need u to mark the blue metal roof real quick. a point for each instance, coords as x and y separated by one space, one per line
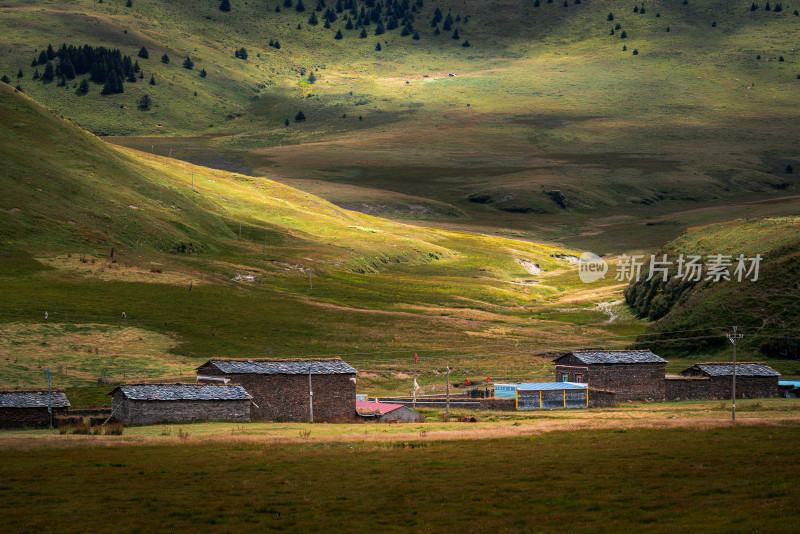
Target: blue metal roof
795 383
537 386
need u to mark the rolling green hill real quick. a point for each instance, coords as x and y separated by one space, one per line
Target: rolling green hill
544 110
699 314
92 231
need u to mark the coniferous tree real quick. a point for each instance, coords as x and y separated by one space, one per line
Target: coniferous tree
641 11
19 74
286 123
188 63
379 29
789 169
129 3
312 77
635 9
378 47
143 53
68 69
767 7
277 9
623 35
415 36
465 44
363 34
349 25
610 16
339 35
536 3
448 23
300 117
203 73
83 88
612 31
152 80
635 52
714 24
144 102
42 58
455 34
667 29
277 45
618 26
51 54
5 79
34 62
19 88
136 67
313 19
624 48
165 59
225 6
36 74
287 3
299 7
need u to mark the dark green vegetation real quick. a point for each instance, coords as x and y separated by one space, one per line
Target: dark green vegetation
767 310
602 480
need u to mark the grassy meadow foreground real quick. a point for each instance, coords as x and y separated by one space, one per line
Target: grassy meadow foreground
524 476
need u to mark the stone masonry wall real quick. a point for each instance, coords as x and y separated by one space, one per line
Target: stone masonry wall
285 397
28 417
135 412
627 381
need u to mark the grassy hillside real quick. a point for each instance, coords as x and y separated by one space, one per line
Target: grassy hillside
544 100
765 310
305 277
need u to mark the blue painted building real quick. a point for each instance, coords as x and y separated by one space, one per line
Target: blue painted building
544 395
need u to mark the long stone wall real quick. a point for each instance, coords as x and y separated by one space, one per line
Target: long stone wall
28 417
135 412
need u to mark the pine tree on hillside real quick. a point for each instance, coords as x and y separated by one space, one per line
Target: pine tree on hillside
42 58
378 47
448 23
165 59
536 3
203 73
225 6
83 88
299 7
436 31
300 117
789 169
311 77
188 63
623 35
313 19
144 102
36 74
143 53
379 29
455 34
136 67
363 34
51 54
610 16
20 74
338 35
152 80
465 44
767 7
287 3
415 36
129 3
5 79
68 69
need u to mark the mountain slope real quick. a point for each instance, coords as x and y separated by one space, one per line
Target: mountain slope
765 310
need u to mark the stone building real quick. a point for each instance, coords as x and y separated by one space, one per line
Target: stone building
281 388
146 404
713 380
629 374
28 408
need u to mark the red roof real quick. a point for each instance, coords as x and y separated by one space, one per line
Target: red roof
372 407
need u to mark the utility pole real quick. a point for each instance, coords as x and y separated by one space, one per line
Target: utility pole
310 396
415 382
734 338
447 409
49 398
